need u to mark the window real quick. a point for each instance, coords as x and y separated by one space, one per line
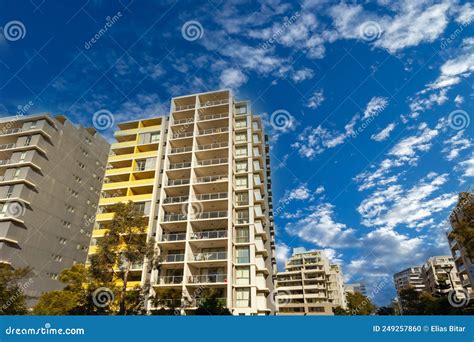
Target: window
28 141
155 137
240 123
257 180
241 166
243 255
241 151
241 110
16 174
10 191
256 139
241 182
22 156
242 276
256 151
241 137
256 126
242 235
256 165
242 198
34 124
242 216
242 298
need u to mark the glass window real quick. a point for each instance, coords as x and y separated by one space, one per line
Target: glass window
241 123
242 198
28 141
241 182
243 255
242 276
242 216
241 110
241 137
242 298
241 151
242 235
22 155
241 166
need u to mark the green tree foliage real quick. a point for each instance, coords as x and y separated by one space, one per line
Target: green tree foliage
211 304
358 304
463 222
167 300
12 285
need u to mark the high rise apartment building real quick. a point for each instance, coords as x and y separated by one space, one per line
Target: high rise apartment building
310 285
51 173
409 278
202 176
438 269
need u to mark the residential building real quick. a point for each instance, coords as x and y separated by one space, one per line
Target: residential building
409 278
463 263
436 271
51 172
310 285
356 287
204 182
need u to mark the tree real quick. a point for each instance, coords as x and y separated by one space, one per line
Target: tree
463 222
385 311
358 304
338 311
168 300
124 244
210 304
12 286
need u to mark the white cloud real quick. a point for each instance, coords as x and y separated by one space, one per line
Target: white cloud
333 256
316 99
319 189
383 134
459 100
398 206
320 228
455 145
302 75
232 78
467 167
376 105
282 252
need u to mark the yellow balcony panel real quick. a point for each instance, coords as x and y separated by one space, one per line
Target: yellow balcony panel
118 171
127 184
92 249
133 131
124 144
146 154
120 157
98 233
125 199
104 217
130 284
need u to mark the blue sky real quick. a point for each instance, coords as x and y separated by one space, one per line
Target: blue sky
368 105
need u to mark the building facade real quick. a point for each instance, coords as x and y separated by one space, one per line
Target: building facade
203 178
51 172
409 278
356 287
310 285
440 275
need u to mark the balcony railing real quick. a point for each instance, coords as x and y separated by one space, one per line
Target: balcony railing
200 301
212 146
182 135
216 161
4 161
7 146
170 279
172 182
181 149
176 199
174 258
169 303
211 196
173 237
213 116
179 166
209 256
174 217
208 179
211 234
209 278
185 107
10 131
182 121
214 103
210 215
213 130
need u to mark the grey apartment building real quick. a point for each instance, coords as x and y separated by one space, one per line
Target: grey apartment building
51 173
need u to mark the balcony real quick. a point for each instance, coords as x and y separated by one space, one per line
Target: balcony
7 146
210 215
214 103
212 146
210 234
175 182
213 130
173 237
209 162
173 258
212 196
200 301
213 116
167 280
208 179
181 150
182 121
209 256
209 278
174 217
182 135
179 166
185 107
175 199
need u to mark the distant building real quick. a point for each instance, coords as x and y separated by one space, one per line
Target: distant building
356 287
310 285
409 278
437 268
